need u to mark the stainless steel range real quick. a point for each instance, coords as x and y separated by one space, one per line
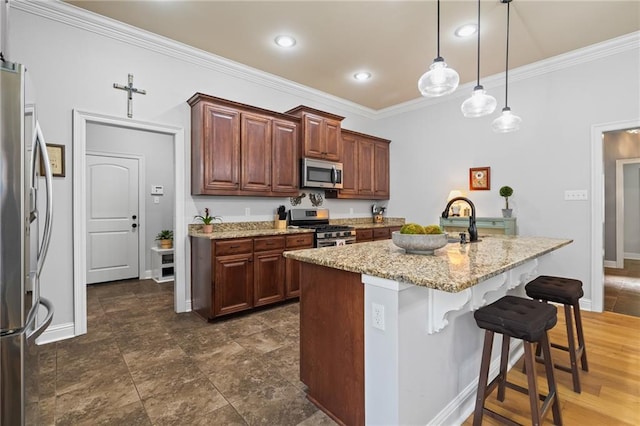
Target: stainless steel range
326 235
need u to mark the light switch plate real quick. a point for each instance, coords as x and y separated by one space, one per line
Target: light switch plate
157 189
576 195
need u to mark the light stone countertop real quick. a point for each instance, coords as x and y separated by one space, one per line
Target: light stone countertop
452 268
223 231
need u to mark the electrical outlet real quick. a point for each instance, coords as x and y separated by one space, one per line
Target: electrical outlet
377 316
351 210
247 211
575 195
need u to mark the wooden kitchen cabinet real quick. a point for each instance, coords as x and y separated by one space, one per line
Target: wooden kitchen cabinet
293 267
255 143
365 164
320 133
237 149
375 234
235 275
269 273
215 149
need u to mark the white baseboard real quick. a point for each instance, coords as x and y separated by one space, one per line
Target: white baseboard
632 256
147 275
56 333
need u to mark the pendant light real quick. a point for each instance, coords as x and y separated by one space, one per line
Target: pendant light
508 121
479 104
439 80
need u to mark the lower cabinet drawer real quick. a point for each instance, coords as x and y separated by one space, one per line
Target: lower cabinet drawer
268 243
296 241
234 247
381 233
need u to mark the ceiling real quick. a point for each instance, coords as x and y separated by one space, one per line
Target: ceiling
394 40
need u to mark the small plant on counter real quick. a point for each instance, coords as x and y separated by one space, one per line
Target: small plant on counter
207 219
506 192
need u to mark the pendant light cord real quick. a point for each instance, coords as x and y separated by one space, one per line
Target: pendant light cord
438 37
506 68
478 84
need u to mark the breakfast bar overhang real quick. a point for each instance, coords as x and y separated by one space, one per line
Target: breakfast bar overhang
388 338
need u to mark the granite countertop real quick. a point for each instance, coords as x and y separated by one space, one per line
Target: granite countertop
223 231
248 233
452 268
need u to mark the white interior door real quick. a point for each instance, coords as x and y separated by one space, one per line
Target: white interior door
112 218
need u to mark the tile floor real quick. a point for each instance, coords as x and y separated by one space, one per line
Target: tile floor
142 364
622 289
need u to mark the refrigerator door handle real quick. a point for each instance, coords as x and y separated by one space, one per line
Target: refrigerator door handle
45 323
31 320
39 146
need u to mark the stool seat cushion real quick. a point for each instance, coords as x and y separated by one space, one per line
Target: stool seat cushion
555 289
517 317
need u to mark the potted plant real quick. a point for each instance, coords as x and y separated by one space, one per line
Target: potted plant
207 221
506 192
165 237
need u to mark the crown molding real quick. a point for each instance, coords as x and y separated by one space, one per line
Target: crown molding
79 18
76 17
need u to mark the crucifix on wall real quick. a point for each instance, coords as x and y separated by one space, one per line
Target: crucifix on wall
130 91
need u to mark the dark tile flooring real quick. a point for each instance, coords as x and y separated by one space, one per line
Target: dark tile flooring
142 364
622 289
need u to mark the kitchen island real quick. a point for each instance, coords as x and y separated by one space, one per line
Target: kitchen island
389 338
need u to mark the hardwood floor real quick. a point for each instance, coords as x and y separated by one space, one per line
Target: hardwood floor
622 289
610 389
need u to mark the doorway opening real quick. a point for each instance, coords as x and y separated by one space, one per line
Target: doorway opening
81 120
598 207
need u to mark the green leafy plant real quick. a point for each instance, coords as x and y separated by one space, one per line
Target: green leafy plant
165 234
207 219
506 192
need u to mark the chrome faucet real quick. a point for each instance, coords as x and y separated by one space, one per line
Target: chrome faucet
473 232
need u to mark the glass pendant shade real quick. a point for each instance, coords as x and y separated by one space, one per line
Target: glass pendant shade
479 104
507 122
440 80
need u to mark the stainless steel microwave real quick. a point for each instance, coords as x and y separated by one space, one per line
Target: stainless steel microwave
320 174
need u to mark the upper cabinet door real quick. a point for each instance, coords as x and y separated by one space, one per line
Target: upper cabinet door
381 170
365 167
284 146
332 140
349 158
313 136
256 153
220 148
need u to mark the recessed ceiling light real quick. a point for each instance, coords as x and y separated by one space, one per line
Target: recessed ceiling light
285 41
362 76
466 30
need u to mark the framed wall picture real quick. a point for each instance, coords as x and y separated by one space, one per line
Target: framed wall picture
480 178
56 160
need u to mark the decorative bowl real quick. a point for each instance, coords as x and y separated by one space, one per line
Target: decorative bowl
419 243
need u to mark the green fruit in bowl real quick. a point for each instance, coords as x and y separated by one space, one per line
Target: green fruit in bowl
432 229
412 228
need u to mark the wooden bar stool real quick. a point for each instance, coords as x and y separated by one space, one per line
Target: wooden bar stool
568 292
529 321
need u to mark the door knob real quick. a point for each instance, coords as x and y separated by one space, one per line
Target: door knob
134 225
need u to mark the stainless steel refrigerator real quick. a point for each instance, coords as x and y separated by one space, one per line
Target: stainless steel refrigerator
25 231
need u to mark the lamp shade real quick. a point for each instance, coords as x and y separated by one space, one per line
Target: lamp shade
440 80
507 122
455 193
479 104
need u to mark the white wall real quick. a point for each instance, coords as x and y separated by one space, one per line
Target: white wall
74 64
157 151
